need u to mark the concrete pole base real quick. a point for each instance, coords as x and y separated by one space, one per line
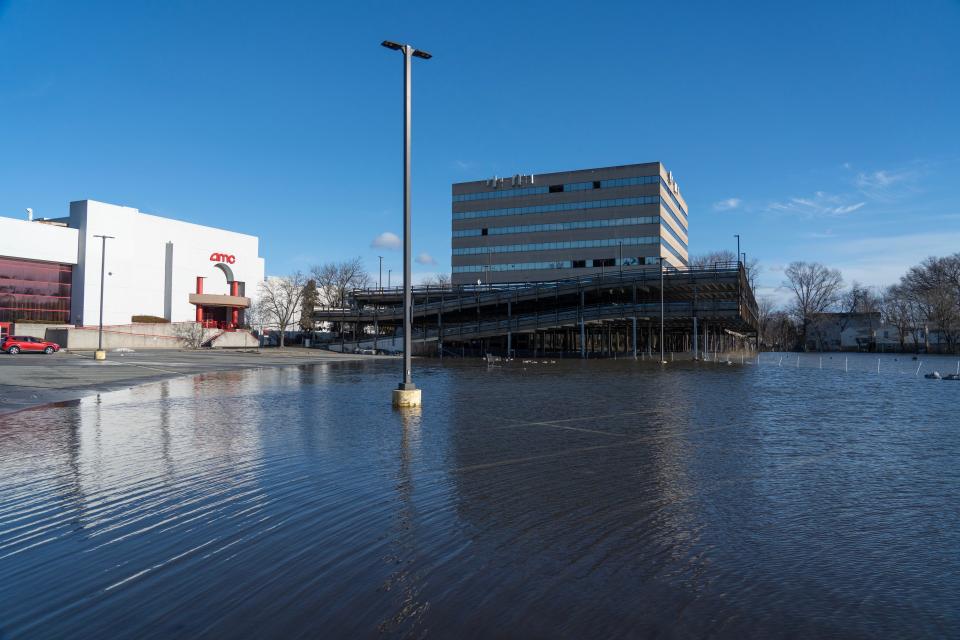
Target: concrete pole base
100 354
406 397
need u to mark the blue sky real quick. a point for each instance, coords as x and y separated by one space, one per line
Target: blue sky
818 131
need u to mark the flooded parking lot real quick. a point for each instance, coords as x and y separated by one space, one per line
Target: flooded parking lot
572 499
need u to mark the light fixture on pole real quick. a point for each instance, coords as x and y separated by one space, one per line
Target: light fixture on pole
100 354
406 394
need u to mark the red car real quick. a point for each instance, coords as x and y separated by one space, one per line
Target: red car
16 344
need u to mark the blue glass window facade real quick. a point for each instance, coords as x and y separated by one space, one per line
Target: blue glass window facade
676 236
553 246
562 206
565 188
558 226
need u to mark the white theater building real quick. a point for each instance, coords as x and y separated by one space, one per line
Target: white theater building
50 269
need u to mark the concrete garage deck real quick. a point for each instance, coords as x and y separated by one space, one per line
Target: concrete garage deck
28 380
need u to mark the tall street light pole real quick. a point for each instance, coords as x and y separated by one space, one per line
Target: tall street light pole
620 251
389 271
100 354
737 236
662 361
406 394
380 280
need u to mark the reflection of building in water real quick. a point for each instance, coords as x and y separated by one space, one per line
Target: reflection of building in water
161 433
626 489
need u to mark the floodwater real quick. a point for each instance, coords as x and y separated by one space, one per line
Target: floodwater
580 500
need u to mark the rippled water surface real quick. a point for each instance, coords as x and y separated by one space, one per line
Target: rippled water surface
598 499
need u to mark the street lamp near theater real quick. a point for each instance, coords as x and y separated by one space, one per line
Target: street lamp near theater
100 354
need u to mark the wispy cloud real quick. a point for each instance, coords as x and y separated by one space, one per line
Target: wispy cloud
887 184
425 258
386 240
863 187
819 235
820 204
727 205
463 164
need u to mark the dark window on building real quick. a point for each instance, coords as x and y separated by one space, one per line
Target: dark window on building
34 291
604 262
579 264
483 231
596 184
556 188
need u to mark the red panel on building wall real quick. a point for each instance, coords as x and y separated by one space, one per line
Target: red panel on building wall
38 291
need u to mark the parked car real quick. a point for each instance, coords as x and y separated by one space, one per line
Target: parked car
16 344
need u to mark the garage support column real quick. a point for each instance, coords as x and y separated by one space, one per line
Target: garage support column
696 351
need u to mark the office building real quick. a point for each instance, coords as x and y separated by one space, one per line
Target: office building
545 227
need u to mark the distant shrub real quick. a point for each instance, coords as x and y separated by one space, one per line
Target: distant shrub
149 320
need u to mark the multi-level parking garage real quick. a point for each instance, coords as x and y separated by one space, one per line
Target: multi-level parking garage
703 309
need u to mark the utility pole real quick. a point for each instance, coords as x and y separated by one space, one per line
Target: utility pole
380 280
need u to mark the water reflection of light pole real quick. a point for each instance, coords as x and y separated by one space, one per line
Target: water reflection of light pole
406 393
100 354
401 579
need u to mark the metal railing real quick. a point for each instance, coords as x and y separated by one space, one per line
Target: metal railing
629 274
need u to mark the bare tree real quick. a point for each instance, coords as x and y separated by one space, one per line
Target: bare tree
725 257
256 317
335 279
280 297
307 305
781 331
765 309
438 280
934 287
191 334
858 299
816 289
897 312
713 258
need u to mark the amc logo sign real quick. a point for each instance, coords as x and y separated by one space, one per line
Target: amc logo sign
222 257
